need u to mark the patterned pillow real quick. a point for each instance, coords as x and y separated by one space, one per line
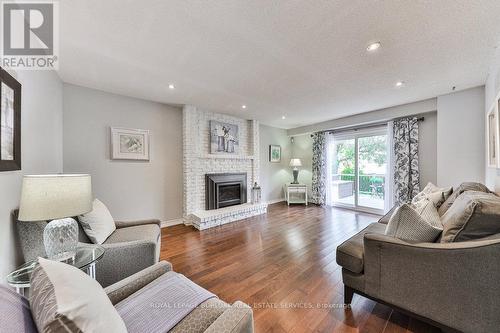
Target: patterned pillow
409 224
436 194
64 299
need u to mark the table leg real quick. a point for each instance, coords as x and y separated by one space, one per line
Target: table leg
91 270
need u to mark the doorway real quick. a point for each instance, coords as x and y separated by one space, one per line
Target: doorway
359 169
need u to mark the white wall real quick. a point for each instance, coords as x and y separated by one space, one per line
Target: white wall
491 91
274 175
41 149
460 137
130 189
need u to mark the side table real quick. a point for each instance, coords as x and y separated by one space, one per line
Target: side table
86 257
296 193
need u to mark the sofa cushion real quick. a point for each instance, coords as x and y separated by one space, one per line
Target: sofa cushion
350 254
473 215
415 225
385 219
16 312
97 224
468 186
65 299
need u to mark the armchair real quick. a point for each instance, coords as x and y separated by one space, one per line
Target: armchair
133 246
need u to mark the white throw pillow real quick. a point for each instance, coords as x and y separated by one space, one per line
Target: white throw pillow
65 299
98 224
408 224
436 194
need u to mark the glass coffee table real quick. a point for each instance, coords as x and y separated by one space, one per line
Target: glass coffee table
86 257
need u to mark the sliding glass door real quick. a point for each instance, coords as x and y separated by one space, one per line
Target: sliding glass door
358 169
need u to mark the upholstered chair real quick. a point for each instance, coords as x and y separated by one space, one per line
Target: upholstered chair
133 246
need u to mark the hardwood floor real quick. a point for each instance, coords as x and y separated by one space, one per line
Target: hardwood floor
283 265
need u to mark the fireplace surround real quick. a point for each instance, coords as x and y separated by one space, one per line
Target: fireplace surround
225 189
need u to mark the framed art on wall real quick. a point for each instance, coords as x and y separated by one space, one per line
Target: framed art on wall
129 144
10 122
274 153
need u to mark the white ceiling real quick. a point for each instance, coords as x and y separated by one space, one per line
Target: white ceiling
306 60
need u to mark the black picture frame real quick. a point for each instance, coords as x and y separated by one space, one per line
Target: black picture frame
11 82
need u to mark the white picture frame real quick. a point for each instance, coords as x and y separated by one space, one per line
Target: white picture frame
492 135
130 144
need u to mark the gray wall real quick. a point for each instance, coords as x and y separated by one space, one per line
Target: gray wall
461 139
130 189
274 175
41 144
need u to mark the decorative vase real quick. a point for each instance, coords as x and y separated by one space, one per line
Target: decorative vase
60 238
256 193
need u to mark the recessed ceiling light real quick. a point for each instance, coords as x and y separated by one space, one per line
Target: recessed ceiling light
283 117
373 46
171 86
399 84
243 106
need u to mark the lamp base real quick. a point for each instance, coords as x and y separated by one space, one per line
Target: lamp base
295 176
60 238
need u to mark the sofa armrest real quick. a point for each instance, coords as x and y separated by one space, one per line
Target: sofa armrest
435 279
237 319
126 287
125 224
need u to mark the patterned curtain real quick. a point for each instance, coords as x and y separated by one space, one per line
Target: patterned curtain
319 169
406 174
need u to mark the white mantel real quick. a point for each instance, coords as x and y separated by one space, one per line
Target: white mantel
198 161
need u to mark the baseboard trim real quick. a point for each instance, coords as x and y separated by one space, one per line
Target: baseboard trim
170 223
270 202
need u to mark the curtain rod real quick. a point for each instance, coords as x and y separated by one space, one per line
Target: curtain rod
371 125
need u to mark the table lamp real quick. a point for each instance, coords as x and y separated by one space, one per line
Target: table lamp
57 198
295 163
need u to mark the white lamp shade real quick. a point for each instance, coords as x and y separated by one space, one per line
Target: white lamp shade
295 162
49 197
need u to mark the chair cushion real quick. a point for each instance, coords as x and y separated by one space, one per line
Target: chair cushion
65 299
97 224
415 225
468 186
16 313
350 254
148 232
473 215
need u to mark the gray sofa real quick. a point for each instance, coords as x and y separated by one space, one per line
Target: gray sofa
211 316
133 246
453 285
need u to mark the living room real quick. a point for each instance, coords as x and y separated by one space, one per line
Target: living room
242 166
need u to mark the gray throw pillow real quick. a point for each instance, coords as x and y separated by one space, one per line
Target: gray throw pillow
467 186
473 215
408 224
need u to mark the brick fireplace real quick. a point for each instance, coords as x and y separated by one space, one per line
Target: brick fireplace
198 162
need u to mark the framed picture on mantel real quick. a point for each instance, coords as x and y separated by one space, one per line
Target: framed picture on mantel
10 122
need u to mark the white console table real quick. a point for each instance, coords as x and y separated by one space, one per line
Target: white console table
296 193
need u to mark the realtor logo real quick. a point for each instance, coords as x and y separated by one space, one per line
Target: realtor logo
29 34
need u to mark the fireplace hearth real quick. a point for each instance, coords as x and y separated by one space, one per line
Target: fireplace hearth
225 189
